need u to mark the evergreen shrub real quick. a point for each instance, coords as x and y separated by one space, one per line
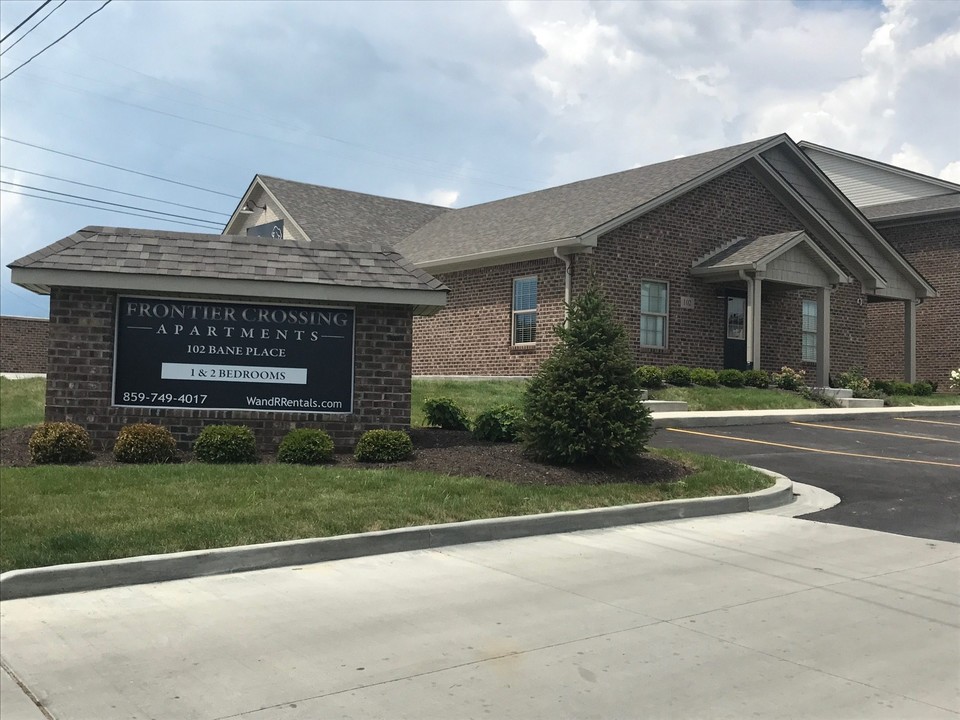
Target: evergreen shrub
503 423
923 388
383 446
704 377
59 443
731 378
756 379
225 444
305 446
145 443
678 375
445 413
649 376
584 406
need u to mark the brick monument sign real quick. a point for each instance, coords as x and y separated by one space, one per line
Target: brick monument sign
186 330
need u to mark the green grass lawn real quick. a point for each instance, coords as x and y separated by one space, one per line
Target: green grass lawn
56 514
473 396
936 399
21 402
724 398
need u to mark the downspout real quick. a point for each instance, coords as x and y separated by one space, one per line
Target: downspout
567 284
748 327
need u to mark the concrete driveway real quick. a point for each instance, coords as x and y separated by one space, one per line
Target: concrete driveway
736 616
896 474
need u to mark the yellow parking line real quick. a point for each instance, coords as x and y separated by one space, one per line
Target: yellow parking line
932 422
874 432
815 450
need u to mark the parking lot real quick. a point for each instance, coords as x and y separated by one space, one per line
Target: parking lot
897 474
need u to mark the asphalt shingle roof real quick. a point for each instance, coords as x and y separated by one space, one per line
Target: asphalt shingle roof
343 216
927 205
567 211
230 257
747 251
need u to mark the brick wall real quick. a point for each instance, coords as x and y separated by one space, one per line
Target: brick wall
472 335
23 345
934 250
80 367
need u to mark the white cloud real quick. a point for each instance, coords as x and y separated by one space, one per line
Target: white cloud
951 172
443 198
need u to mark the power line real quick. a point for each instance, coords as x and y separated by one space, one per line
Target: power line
24 298
97 207
56 41
25 20
33 27
110 190
106 202
117 167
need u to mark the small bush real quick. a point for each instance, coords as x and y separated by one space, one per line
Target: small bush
145 443
884 386
677 375
305 446
955 379
649 376
704 377
756 379
59 443
445 413
225 444
923 388
731 378
789 379
503 423
854 380
383 446
898 387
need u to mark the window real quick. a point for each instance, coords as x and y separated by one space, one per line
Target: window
524 310
653 313
809 334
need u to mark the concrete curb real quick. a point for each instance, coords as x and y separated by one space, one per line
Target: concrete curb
729 418
77 577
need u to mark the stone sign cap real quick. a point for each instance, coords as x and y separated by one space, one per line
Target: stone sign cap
169 261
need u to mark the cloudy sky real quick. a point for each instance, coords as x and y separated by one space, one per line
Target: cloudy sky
452 103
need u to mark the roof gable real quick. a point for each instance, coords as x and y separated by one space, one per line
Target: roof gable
325 214
870 182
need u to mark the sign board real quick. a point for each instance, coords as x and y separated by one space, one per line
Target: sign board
180 353
271 230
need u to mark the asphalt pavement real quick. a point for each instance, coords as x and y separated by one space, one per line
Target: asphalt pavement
735 616
895 474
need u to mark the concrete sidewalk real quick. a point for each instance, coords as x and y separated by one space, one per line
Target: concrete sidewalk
722 418
724 617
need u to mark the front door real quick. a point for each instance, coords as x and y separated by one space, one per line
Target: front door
735 330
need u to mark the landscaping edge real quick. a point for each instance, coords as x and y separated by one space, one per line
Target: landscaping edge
78 577
726 418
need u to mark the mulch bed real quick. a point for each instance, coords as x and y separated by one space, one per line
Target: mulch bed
446 452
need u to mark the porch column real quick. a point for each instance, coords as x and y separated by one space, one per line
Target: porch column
910 341
753 322
823 337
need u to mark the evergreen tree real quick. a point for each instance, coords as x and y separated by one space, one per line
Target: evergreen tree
584 405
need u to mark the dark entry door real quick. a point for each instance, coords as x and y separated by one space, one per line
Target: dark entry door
735 330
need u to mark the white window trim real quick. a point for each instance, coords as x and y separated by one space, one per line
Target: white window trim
514 312
804 333
664 315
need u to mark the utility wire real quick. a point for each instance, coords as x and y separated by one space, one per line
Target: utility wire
25 21
110 190
33 27
97 207
56 41
117 167
106 202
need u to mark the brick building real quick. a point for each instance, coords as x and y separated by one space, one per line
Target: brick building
743 256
